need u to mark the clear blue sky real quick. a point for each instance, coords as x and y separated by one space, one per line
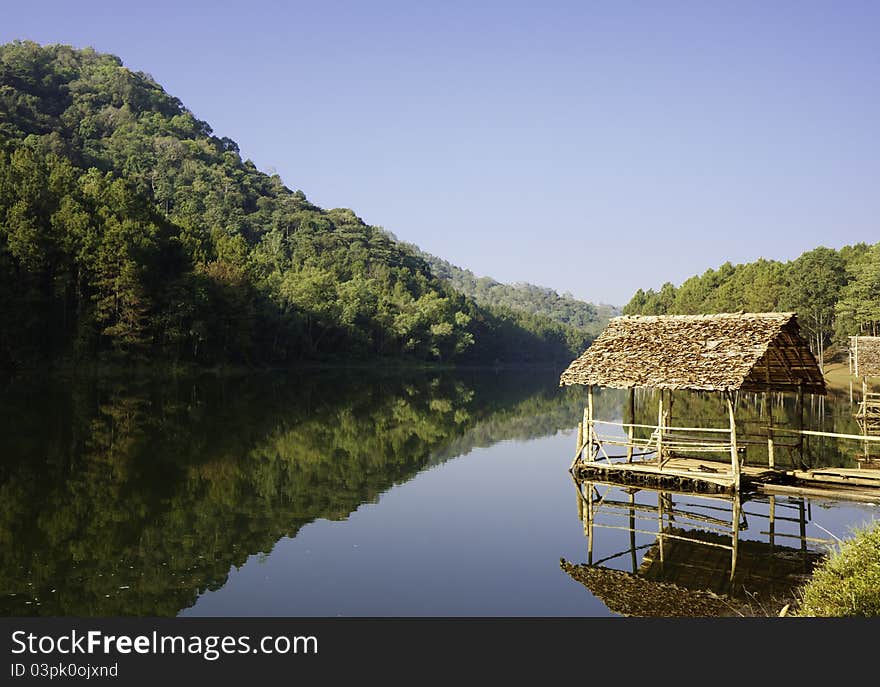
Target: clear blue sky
594 147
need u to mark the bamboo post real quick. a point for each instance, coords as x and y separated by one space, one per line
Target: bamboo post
660 522
734 535
580 498
800 419
632 530
771 458
580 447
585 439
772 521
590 431
589 523
802 519
855 347
734 454
660 431
631 421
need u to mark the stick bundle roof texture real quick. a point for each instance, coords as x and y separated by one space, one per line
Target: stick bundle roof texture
724 352
866 353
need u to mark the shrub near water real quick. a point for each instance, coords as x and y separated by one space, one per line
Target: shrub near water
848 582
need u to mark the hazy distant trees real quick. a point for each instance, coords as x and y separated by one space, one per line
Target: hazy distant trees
527 298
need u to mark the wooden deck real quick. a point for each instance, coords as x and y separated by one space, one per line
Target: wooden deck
711 476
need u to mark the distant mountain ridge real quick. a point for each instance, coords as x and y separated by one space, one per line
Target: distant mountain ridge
522 296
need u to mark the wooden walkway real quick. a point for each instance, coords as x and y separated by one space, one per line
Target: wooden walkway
711 476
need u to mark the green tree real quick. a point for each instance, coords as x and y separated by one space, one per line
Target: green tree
859 304
814 283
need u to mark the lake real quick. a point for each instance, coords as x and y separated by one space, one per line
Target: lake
357 493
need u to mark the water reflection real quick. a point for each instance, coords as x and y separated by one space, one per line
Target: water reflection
139 496
760 414
134 496
694 555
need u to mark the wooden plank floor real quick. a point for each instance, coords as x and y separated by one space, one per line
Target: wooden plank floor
848 483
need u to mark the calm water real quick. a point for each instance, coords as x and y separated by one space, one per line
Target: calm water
347 493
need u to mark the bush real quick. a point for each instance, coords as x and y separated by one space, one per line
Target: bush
847 583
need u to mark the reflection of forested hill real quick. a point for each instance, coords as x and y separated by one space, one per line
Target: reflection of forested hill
131 498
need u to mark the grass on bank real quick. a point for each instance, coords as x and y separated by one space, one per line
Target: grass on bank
847 583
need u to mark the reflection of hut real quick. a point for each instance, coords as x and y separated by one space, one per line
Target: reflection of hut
726 353
629 594
763 571
696 587
695 562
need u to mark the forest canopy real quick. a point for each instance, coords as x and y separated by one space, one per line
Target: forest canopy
130 231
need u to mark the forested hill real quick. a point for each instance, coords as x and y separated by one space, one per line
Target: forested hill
836 293
538 300
128 230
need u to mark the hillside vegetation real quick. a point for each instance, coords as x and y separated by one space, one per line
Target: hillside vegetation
129 231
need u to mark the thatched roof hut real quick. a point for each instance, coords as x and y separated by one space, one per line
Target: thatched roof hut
724 352
865 351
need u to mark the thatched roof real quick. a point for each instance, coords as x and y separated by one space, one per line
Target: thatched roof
725 352
866 355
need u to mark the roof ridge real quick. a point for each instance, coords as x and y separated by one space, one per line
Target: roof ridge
711 316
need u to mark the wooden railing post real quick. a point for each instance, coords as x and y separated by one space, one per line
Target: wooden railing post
590 430
631 421
580 440
660 431
734 454
800 420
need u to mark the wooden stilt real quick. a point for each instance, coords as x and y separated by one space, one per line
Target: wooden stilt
802 518
734 535
800 420
631 420
660 522
591 438
772 521
632 530
855 346
771 457
734 453
589 523
660 430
